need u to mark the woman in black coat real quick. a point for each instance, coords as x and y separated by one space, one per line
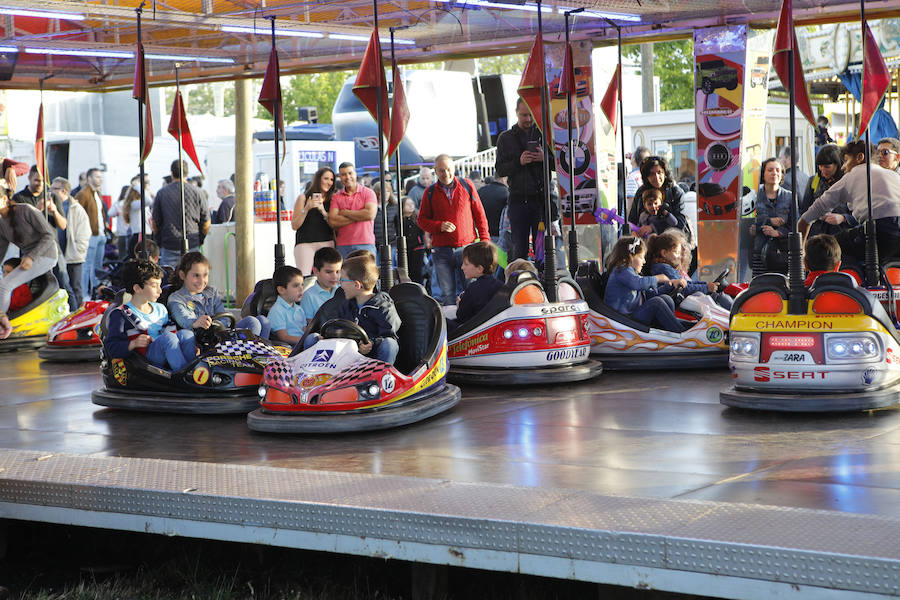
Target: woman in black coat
655 173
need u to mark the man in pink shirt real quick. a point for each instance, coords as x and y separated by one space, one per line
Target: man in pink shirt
352 214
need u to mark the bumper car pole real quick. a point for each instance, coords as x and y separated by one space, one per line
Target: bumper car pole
796 289
386 272
184 241
569 78
279 122
143 254
549 247
402 262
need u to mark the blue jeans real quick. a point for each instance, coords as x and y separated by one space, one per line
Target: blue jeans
659 310
60 271
171 258
75 270
176 349
345 250
93 260
447 266
257 325
524 218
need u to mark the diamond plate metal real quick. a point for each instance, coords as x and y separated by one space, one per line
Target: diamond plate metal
484 526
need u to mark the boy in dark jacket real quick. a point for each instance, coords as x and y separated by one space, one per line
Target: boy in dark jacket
479 261
372 311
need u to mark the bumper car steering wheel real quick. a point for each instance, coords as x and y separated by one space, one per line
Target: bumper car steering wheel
216 332
720 280
342 328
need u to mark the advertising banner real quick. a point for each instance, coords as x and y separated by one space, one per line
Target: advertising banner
719 65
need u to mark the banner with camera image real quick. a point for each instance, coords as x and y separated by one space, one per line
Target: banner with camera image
719 63
593 174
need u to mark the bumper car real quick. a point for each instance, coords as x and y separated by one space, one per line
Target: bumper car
331 388
223 379
32 322
75 338
519 338
842 355
625 344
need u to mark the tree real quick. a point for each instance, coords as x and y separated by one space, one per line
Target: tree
315 89
674 65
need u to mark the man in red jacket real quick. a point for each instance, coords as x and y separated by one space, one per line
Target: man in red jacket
452 213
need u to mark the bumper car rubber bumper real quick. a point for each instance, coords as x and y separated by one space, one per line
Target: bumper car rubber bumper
525 376
621 361
149 401
805 402
69 353
417 408
22 343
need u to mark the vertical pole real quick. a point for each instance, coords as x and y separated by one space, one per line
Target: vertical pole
143 254
386 268
797 292
279 247
623 208
44 153
547 140
402 263
573 234
244 227
184 241
872 263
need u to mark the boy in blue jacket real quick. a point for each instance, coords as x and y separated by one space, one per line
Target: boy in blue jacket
142 325
666 257
479 261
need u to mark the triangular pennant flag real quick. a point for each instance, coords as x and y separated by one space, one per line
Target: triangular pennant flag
611 100
178 127
532 83
39 142
270 94
876 79
786 40
567 80
399 113
141 93
371 82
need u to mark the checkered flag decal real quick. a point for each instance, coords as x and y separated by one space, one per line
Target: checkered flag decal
278 373
357 372
239 347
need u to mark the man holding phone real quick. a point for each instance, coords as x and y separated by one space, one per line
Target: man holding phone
520 158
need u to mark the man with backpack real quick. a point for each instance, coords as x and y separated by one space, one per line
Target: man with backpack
452 213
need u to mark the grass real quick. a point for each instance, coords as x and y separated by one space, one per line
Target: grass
48 562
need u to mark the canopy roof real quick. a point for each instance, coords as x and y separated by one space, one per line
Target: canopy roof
205 30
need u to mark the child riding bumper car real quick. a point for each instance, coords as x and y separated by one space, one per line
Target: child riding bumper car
223 378
843 354
519 338
622 342
331 388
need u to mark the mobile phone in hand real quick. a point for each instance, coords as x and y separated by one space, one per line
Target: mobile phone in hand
534 146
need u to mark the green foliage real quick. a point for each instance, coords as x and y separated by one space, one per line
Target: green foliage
316 89
511 64
674 65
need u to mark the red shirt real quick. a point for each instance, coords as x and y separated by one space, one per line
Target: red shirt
463 210
813 274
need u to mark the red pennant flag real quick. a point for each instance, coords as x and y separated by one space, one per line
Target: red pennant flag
178 127
271 91
611 100
141 93
39 142
876 79
399 113
532 83
567 81
786 40
371 81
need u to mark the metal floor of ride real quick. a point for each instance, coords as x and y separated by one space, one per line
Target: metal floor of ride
624 441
